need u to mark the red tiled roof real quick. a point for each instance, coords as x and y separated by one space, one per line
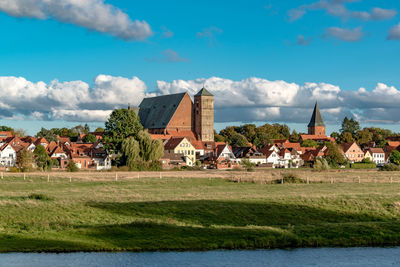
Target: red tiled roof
376 150
173 143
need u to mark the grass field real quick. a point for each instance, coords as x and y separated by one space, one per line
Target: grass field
150 214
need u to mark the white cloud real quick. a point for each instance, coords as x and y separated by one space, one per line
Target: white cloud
251 99
337 8
347 35
91 14
210 34
394 33
168 55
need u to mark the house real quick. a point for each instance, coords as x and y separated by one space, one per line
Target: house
80 155
223 157
352 152
272 158
250 153
367 155
8 156
101 159
170 160
378 156
182 146
267 148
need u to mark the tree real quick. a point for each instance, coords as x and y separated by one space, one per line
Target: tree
71 166
41 157
218 137
309 143
239 140
350 125
49 135
99 130
228 133
86 128
121 124
364 137
334 157
25 160
335 135
294 137
346 137
394 157
141 153
19 132
90 138
6 129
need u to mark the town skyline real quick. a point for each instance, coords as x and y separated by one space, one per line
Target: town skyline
268 63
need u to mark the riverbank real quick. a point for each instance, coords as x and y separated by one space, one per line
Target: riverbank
153 214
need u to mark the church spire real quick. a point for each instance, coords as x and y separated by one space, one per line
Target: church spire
316 118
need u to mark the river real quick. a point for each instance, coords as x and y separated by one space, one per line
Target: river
293 257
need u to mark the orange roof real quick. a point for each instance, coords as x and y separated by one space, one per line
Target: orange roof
173 143
316 137
198 145
394 143
291 145
376 150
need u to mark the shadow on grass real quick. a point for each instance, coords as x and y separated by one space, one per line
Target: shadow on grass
238 225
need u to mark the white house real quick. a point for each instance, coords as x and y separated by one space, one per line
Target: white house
8 156
273 158
378 155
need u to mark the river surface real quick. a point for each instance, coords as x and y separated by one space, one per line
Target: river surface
294 257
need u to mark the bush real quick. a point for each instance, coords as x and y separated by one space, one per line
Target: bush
14 169
248 165
321 164
71 167
390 167
39 197
289 178
363 166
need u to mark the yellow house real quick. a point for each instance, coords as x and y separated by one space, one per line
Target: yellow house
182 146
368 155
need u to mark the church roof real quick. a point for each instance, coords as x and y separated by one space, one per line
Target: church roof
204 92
156 112
316 119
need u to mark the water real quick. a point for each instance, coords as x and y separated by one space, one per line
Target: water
295 257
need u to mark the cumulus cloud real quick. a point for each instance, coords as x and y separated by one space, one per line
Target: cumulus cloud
394 33
66 100
251 99
337 8
347 35
93 15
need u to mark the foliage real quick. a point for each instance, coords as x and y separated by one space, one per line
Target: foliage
90 138
321 164
142 153
289 178
394 157
334 157
49 135
218 137
122 123
25 160
99 130
309 143
239 140
350 125
346 137
71 166
248 165
37 196
294 137
335 135
4 128
42 159
360 165
366 160
390 167
19 132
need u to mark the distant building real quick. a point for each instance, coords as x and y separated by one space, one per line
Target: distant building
176 115
316 128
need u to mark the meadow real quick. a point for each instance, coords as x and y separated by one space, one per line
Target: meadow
181 213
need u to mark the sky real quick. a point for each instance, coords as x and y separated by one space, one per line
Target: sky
65 62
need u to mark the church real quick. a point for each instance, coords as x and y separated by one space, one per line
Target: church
316 128
176 115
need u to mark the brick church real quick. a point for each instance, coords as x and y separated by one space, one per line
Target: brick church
176 115
316 128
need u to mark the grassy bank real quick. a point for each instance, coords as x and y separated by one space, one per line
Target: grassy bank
193 214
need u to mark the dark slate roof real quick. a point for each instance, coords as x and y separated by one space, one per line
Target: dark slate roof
156 112
204 92
316 119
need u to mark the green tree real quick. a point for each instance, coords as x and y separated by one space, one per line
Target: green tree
228 133
99 130
335 135
364 137
49 135
6 129
86 128
394 157
294 137
350 126
90 138
218 137
239 140
334 157
346 137
41 157
121 124
71 166
140 154
25 160
309 143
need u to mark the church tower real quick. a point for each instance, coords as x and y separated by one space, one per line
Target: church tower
316 125
204 115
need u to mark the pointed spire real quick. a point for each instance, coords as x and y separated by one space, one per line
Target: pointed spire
316 119
204 92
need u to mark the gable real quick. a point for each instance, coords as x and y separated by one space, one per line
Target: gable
156 112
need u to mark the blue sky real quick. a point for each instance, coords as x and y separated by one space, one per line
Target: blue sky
190 41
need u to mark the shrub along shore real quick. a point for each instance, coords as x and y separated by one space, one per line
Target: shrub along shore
152 214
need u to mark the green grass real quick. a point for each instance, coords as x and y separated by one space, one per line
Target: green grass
194 214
